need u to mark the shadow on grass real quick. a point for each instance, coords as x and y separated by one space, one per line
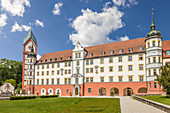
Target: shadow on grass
168 97
100 110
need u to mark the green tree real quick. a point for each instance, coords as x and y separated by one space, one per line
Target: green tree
19 85
12 81
164 78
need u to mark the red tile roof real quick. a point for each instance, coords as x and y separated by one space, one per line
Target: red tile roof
166 46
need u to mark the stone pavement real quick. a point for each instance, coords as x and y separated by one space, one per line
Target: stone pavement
4 98
129 105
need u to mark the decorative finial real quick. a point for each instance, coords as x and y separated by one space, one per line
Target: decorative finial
153 24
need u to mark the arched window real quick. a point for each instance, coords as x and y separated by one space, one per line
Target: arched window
148 44
153 43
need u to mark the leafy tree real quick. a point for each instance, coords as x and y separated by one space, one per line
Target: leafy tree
12 81
19 85
164 78
10 69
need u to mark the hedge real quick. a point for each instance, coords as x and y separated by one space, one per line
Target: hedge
22 97
48 96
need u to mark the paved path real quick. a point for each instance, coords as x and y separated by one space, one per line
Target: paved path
129 105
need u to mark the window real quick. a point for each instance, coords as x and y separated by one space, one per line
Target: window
66 71
101 79
129 58
101 69
111 52
110 68
120 79
38 67
149 60
60 58
141 48
78 63
65 64
101 61
140 57
69 81
155 85
110 60
130 49
141 78
87 70
130 78
159 59
47 73
87 62
91 79
87 80
69 64
58 65
37 81
42 81
52 72
120 68
52 65
54 59
91 62
159 43
58 81
67 91
120 59
148 44
42 66
91 70
52 81
149 72
47 81
42 73
47 66
154 59
154 72
110 79
30 82
65 80
140 67
153 43
44 60
103 53
49 60
89 90
91 54
37 73
58 72
69 71
167 52
78 55
69 57
149 85
120 50
77 70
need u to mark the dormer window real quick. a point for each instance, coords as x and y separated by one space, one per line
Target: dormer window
54 59
40 61
60 58
45 60
91 54
130 49
69 57
49 60
167 52
141 48
111 52
120 50
103 53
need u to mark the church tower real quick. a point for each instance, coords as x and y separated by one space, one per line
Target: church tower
153 52
29 58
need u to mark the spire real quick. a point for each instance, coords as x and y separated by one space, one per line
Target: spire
153 24
30 35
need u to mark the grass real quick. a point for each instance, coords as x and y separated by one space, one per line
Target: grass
160 99
61 105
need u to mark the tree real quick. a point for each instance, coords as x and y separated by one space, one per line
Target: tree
19 85
164 78
12 81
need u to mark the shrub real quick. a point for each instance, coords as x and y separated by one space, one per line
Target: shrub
48 96
22 97
111 93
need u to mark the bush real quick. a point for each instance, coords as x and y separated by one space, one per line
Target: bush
22 97
48 96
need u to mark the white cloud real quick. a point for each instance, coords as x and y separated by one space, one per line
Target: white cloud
3 19
93 28
15 7
17 27
38 56
39 23
127 3
57 8
124 38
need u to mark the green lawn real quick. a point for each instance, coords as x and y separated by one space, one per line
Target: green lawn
160 99
61 105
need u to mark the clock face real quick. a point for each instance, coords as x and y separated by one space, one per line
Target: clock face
29 47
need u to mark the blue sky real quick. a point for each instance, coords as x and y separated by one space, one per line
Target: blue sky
58 24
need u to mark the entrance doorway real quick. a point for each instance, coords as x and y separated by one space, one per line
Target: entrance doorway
127 91
115 91
76 91
102 91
